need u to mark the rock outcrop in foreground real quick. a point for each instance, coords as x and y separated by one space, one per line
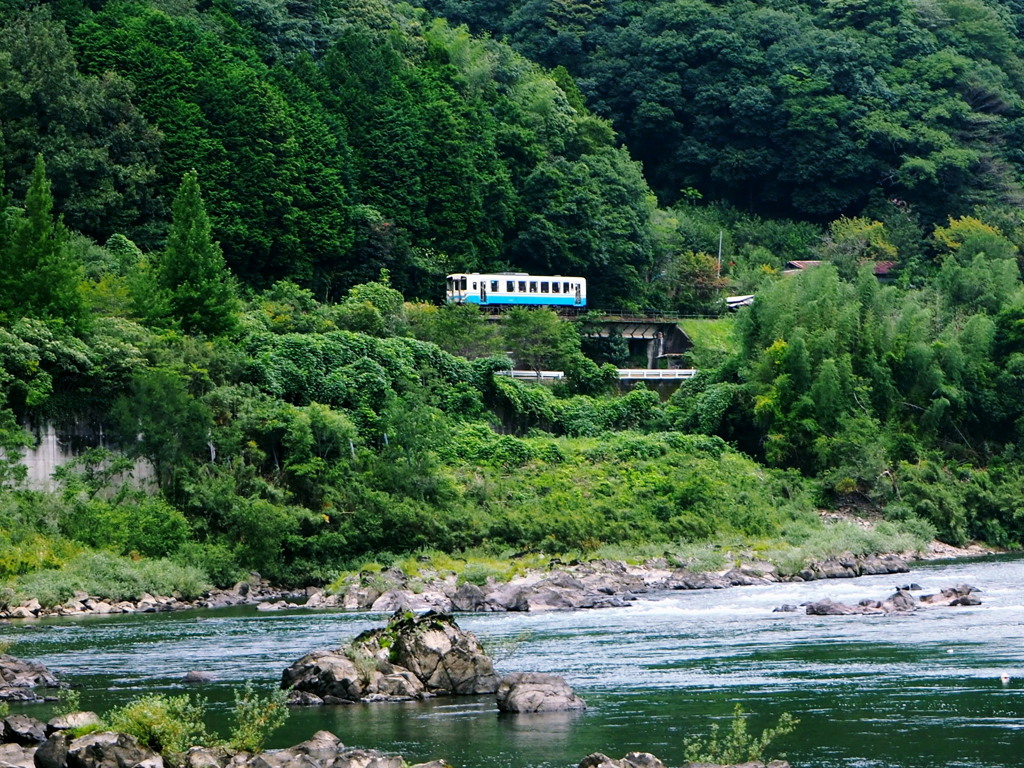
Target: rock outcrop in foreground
19 679
48 747
411 658
647 760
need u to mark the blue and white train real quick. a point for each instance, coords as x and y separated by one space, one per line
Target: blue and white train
517 289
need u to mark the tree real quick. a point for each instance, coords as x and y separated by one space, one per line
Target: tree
161 421
40 277
538 338
192 268
101 152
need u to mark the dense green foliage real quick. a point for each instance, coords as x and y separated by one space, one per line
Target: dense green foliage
212 215
331 141
794 107
171 725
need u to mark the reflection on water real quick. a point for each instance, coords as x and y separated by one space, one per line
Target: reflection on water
870 691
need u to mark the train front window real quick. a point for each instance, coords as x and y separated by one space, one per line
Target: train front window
510 286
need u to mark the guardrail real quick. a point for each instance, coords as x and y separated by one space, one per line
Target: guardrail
628 374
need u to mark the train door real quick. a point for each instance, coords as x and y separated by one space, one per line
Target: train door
579 296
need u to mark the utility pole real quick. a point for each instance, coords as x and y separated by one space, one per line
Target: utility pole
719 253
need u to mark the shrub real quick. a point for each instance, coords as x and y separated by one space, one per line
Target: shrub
256 717
737 745
115 578
167 724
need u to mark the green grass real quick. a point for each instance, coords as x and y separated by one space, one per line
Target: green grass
712 340
111 577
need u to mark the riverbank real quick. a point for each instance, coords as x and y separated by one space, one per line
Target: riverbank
526 582
557 587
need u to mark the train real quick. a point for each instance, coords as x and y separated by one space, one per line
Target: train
517 289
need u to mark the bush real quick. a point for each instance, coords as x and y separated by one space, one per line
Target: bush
737 745
167 724
108 576
256 717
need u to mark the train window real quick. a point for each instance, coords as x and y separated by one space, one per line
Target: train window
544 287
474 285
565 287
494 285
554 287
510 286
463 282
533 286
522 286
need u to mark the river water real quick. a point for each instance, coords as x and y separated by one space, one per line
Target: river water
870 691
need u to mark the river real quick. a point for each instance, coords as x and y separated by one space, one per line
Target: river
870 691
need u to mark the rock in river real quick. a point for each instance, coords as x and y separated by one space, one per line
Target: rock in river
412 657
533 692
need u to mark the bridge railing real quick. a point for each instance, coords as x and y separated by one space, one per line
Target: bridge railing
623 315
630 374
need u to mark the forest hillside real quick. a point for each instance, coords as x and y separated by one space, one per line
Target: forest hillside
226 227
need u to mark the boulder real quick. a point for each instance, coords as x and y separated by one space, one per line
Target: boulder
962 594
506 597
533 692
826 607
412 657
197 676
901 602
442 656
73 720
367 758
631 760
468 597
321 749
207 757
18 679
53 753
110 750
329 673
304 699
23 730
278 605
406 600
17 756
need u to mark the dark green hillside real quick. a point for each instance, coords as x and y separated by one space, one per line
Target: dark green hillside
224 228
330 141
794 108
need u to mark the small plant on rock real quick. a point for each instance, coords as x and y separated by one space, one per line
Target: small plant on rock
737 744
70 701
365 663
